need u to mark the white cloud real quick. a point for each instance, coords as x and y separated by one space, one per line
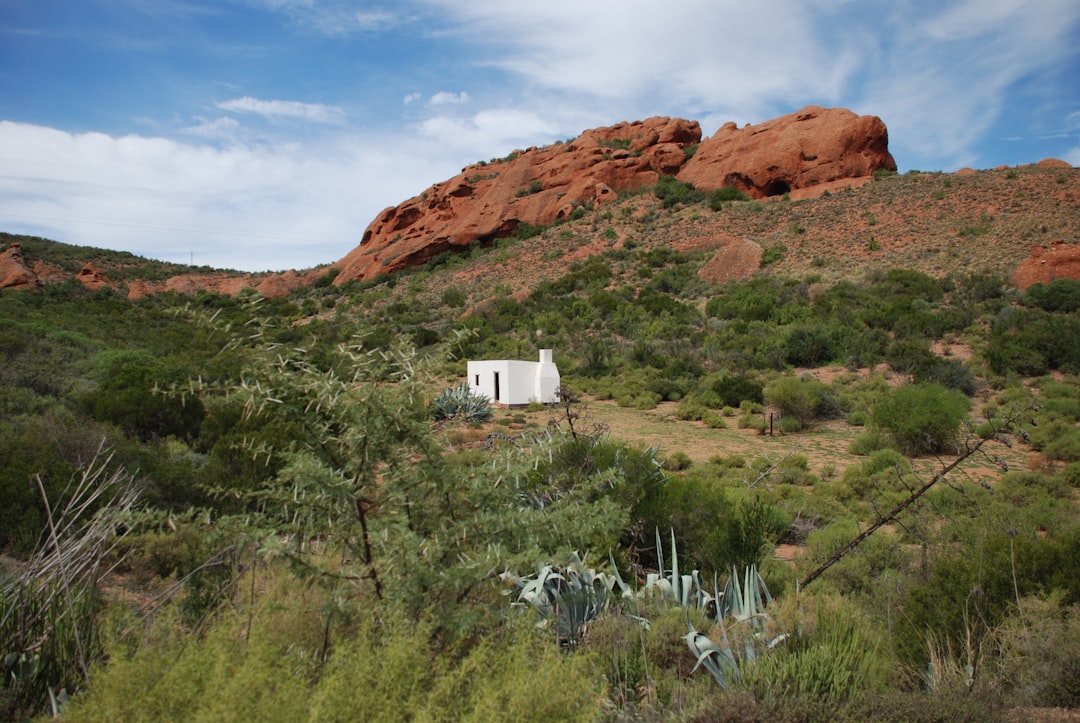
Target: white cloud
694 54
494 130
444 97
336 18
374 20
218 128
248 207
411 98
938 73
315 112
945 81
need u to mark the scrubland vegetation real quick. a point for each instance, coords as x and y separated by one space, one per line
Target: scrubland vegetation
281 529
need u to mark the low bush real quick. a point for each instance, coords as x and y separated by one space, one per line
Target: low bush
922 419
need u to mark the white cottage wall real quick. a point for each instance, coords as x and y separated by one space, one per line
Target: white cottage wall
512 382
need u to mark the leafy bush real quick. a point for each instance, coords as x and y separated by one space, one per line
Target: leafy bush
722 195
922 419
678 461
1060 295
672 192
732 389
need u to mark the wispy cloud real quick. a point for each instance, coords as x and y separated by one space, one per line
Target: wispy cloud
374 20
938 73
218 128
336 18
315 112
447 98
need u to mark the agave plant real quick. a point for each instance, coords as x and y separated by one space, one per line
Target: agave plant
573 594
460 403
743 607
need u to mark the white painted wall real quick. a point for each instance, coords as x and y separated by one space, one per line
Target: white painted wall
519 382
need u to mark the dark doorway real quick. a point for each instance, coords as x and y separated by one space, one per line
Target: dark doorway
496 386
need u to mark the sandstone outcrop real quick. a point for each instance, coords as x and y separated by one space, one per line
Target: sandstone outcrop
811 147
1053 163
534 187
1059 261
271 286
14 274
91 277
539 186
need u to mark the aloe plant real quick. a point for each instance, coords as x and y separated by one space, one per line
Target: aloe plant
460 403
574 594
743 607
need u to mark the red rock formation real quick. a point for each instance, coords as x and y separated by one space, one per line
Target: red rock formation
92 278
536 187
1053 163
14 273
271 286
1059 261
813 146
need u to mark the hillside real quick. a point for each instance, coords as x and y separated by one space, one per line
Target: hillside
933 222
278 504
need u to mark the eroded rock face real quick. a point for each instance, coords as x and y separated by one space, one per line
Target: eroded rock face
14 274
539 186
535 187
811 147
1059 261
91 277
270 286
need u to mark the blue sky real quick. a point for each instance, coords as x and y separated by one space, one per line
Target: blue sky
267 134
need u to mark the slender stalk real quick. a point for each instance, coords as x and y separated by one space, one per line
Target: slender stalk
63 578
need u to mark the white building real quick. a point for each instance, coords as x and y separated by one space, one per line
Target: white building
511 383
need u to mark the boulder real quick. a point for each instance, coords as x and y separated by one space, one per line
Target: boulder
538 186
736 259
1053 163
810 147
91 277
1058 261
535 187
14 274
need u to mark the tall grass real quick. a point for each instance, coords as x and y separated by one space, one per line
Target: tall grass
50 610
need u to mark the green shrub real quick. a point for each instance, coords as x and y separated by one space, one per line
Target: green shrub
922 419
678 461
453 297
790 425
733 389
772 255
672 192
713 420
870 441
690 408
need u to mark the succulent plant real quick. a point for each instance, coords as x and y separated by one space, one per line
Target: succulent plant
460 403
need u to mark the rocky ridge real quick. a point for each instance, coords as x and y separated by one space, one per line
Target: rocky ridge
813 148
